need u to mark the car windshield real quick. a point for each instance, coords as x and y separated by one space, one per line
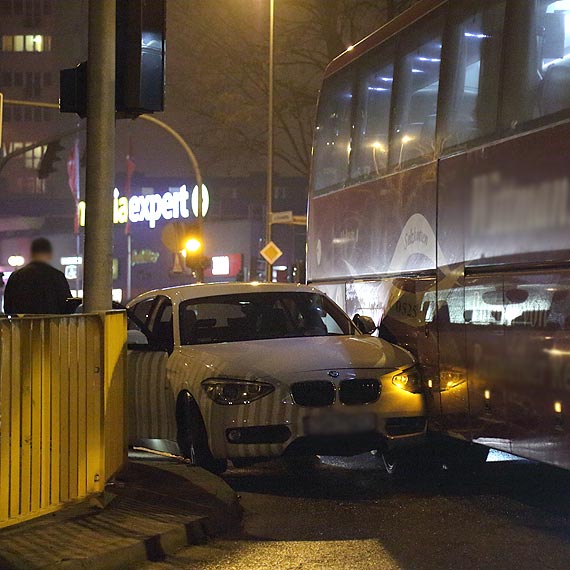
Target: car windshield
259 316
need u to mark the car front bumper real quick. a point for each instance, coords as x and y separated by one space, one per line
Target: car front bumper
275 425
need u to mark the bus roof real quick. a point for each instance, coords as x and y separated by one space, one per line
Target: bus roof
391 28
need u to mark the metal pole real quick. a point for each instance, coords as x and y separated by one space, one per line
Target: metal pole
269 199
98 276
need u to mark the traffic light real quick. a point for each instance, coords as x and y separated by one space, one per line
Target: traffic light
194 253
49 158
141 42
73 90
140 63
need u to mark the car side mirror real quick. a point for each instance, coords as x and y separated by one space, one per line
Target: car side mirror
364 324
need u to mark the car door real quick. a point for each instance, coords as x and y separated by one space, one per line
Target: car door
150 396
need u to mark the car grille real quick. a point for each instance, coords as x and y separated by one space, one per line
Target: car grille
315 394
354 392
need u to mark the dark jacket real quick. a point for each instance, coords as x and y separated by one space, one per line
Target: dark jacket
36 289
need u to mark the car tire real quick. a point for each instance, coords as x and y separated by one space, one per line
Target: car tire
464 458
445 456
410 463
192 436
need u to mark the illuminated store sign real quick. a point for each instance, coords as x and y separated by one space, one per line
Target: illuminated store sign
151 208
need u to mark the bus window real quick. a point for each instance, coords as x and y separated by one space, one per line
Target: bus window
370 155
416 86
333 131
538 61
473 48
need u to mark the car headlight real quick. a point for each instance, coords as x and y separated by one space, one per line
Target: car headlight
409 380
228 392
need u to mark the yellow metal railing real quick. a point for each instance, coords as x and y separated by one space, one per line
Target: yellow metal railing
62 421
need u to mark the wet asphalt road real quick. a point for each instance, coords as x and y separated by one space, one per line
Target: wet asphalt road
348 514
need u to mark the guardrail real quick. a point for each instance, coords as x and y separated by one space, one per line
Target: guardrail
62 421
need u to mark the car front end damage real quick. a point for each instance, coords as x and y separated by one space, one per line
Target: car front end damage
328 412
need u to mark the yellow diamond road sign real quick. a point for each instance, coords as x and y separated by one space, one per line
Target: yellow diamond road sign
271 253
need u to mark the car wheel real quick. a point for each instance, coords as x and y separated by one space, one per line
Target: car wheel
464 458
192 437
410 463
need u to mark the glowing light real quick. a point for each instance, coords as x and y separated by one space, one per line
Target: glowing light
16 261
349 48
558 407
430 384
148 208
406 139
193 245
487 394
478 36
221 265
557 352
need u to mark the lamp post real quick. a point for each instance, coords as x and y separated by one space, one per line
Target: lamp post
269 189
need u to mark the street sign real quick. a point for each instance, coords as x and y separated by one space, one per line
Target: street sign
271 253
282 217
300 220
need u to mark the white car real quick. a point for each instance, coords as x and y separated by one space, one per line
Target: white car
245 370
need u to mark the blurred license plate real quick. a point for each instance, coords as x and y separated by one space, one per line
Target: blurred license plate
339 424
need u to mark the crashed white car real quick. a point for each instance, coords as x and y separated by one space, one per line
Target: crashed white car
243 371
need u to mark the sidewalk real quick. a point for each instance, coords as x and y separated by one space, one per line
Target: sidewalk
157 509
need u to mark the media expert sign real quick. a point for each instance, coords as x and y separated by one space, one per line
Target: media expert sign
154 207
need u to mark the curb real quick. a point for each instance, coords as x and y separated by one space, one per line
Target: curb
153 549
212 510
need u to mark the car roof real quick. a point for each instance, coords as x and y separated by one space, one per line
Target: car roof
201 290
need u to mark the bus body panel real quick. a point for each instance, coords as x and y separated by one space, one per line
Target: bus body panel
382 226
465 260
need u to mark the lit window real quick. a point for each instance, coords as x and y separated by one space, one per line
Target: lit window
28 43
33 157
7 43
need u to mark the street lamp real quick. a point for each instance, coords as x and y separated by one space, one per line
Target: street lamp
269 189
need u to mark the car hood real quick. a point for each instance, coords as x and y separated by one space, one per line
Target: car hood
285 358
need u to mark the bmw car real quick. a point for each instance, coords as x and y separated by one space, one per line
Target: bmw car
247 371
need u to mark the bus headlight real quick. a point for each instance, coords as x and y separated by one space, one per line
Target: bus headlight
409 380
228 392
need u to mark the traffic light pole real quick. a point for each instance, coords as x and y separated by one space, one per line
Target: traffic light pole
98 262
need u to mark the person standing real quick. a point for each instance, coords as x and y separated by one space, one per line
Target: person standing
37 288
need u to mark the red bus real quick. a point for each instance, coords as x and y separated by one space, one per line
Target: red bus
440 205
